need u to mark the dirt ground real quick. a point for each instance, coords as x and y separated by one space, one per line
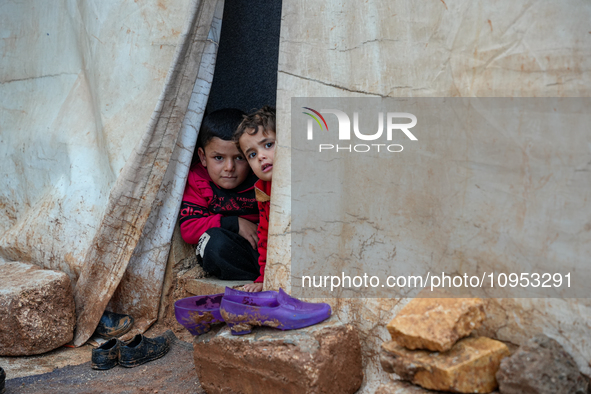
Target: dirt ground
68 371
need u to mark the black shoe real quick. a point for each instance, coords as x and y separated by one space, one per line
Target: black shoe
2 380
105 356
141 349
113 325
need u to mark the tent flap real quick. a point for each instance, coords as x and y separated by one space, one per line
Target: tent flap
137 224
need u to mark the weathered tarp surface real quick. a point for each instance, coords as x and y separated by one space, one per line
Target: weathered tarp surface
465 48
94 140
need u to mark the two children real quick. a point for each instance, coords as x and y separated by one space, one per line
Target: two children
219 212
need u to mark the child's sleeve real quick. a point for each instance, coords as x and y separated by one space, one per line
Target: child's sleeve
263 234
195 218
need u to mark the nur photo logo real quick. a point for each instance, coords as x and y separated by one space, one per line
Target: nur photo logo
392 120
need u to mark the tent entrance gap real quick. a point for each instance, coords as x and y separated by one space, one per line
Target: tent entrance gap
246 68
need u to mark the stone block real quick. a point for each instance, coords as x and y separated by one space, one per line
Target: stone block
324 358
36 308
541 366
205 286
468 367
436 323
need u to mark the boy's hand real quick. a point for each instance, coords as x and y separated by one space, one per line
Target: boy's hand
248 230
253 287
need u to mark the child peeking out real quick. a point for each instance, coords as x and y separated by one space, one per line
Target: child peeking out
219 211
256 138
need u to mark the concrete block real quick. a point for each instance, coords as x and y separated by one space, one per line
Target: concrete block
436 323
36 308
468 367
324 358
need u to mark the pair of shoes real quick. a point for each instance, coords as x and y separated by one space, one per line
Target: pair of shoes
286 313
243 310
113 325
198 313
2 381
130 354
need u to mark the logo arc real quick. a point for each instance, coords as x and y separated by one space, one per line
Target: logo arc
317 113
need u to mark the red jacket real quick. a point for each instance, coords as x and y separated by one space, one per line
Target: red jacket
206 205
263 196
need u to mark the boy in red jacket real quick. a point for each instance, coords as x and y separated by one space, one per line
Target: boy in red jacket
219 211
256 139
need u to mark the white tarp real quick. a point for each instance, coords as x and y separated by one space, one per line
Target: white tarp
92 98
443 48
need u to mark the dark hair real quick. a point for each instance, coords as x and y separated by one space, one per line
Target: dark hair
264 117
221 123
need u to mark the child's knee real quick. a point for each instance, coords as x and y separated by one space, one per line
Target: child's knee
213 240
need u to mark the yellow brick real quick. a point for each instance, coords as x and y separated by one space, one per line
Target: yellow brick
468 367
436 323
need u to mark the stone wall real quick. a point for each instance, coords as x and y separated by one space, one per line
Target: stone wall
442 49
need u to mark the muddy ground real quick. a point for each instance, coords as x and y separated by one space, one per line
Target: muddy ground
173 373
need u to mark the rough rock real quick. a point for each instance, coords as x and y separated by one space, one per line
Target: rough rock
324 358
401 387
181 262
37 309
541 366
436 323
181 251
468 367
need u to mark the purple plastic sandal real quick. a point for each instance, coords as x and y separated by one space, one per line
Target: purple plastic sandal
198 313
262 298
285 313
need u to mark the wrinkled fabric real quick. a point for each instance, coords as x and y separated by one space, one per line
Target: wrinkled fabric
144 203
100 103
466 48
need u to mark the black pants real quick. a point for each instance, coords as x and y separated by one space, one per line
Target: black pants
227 255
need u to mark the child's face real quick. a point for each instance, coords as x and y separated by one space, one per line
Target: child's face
225 164
259 150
